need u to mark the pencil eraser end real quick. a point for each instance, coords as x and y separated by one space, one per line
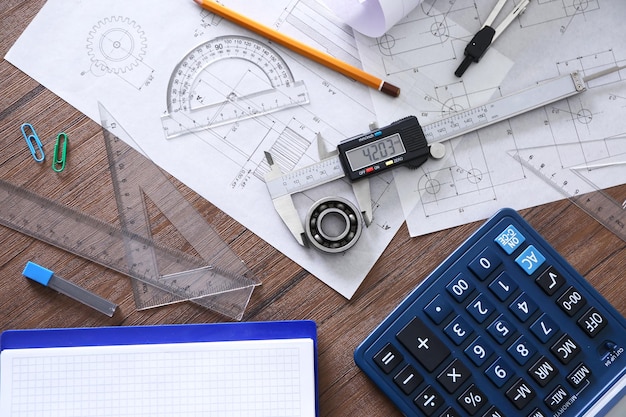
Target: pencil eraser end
37 273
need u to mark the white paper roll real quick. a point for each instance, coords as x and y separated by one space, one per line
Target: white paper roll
371 17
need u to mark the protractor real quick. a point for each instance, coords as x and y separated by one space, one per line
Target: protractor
227 79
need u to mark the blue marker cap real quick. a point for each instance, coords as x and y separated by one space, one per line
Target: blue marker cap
37 273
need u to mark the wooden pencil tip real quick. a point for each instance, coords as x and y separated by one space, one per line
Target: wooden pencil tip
390 89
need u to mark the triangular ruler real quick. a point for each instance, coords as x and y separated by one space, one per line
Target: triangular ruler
211 275
219 280
576 183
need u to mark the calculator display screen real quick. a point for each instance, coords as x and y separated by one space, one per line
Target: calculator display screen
374 152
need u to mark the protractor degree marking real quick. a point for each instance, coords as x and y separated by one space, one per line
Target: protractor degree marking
257 81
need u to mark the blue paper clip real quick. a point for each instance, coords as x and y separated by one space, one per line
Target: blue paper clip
32 139
58 161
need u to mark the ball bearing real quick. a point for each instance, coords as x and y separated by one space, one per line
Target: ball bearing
333 224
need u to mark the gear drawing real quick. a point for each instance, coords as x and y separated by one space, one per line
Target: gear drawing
116 44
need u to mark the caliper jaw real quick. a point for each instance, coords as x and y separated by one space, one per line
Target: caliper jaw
284 205
361 189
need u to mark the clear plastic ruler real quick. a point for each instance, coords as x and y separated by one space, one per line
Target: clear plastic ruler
215 278
573 184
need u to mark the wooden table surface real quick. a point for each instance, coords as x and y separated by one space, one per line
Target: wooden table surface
288 292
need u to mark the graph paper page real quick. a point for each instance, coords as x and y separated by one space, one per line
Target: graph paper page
239 379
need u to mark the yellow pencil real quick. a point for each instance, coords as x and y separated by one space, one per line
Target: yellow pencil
322 58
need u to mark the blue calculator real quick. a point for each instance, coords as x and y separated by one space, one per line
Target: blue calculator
503 327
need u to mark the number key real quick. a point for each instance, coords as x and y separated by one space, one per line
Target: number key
480 308
458 330
500 329
460 287
485 263
523 307
499 372
479 351
503 286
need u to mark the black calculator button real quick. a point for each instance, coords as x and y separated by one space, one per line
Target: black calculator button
557 398
537 413
458 330
422 342
522 350
571 301
499 372
565 349
460 287
438 309
472 400
408 379
503 286
523 307
453 376
579 376
521 394
550 281
544 328
543 371
493 412
500 329
485 263
388 358
450 412
592 322
480 308
479 351
429 401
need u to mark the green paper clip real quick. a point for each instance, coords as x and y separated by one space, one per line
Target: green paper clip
58 162
31 140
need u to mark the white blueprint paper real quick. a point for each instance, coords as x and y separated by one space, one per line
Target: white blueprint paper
124 53
371 17
478 176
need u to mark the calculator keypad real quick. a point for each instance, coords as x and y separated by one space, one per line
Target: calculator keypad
504 327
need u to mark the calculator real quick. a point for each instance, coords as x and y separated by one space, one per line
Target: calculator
503 327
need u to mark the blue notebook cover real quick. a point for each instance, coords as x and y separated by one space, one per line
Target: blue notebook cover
161 334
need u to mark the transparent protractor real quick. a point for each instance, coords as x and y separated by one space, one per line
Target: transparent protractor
228 79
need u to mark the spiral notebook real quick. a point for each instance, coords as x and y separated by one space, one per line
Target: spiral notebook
230 369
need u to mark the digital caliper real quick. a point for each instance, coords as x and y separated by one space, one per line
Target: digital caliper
403 142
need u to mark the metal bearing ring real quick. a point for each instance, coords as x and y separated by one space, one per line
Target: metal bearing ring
333 224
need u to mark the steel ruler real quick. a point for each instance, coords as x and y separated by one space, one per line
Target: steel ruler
571 183
161 274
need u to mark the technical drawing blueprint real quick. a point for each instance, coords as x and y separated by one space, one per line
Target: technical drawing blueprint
477 176
146 64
